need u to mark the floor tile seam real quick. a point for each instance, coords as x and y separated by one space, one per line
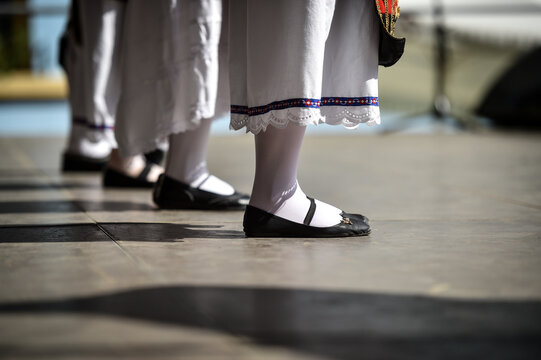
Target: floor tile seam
140 264
70 197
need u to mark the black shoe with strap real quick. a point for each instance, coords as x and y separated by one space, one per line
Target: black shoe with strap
173 194
115 178
259 223
75 162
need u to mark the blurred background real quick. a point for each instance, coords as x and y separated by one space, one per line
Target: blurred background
468 66
451 269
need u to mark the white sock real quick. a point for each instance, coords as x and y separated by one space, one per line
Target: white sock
275 186
296 207
213 184
186 160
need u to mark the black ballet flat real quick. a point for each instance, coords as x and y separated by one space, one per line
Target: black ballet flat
155 156
172 194
74 162
356 216
259 223
117 179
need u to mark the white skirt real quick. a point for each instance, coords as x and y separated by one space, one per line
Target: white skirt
170 71
303 62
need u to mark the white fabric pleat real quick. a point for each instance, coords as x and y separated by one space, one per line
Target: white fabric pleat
93 76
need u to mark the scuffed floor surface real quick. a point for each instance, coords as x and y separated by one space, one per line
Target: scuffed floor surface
452 269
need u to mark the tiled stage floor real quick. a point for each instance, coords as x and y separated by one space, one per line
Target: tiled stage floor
452 269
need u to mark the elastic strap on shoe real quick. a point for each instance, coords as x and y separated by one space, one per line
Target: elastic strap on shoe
143 176
311 211
204 181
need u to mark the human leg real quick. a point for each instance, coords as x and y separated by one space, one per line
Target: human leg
280 83
121 170
276 189
90 56
187 183
90 140
187 160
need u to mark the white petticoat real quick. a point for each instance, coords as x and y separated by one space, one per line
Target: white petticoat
304 62
170 75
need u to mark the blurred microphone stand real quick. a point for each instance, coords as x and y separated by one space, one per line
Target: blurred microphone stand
441 110
441 106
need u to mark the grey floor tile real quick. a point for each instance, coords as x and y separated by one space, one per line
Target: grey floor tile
81 336
328 324
451 269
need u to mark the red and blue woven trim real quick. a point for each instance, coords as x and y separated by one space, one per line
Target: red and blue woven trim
305 103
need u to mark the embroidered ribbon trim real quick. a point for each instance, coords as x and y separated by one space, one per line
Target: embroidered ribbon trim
305 103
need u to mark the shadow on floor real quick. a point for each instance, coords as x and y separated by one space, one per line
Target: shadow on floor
64 206
38 186
341 325
144 232
163 350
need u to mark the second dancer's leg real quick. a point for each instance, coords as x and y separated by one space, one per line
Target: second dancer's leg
187 160
187 182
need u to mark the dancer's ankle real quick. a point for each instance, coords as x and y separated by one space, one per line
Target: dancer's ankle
295 206
206 182
133 166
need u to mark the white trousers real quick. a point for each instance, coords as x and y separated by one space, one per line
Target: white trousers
93 75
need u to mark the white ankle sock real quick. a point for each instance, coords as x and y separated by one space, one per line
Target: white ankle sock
213 184
186 160
275 186
296 207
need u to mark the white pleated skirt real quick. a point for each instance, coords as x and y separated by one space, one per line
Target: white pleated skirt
170 71
303 62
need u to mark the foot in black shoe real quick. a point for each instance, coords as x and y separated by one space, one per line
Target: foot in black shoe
155 156
74 162
115 178
259 223
172 194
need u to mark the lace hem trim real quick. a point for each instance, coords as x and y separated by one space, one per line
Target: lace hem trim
349 117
